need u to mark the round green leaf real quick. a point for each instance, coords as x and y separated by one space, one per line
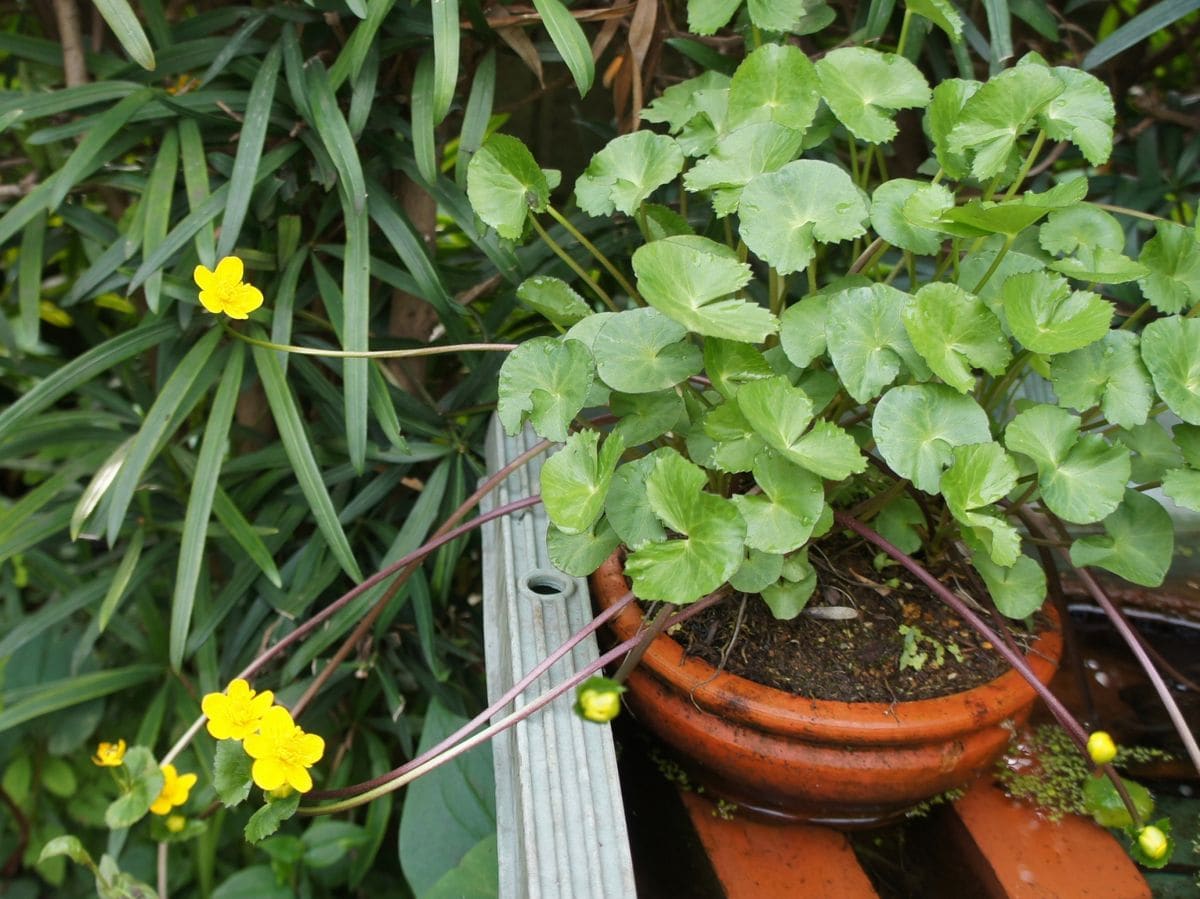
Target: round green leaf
780 414
1082 114
553 298
941 13
626 172
867 340
782 517
1048 317
775 83
730 364
627 508
545 381
890 223
788 596
954 332
678 104
739 157
1108 373
865 88
504 182
580 554
917 426
949 97
1018 590
1182 485
1081 225
998 113
802 329
1173 258
691 279
758 571
145 781
783 213
642 351
575 480
1171 351
1137 543
644 416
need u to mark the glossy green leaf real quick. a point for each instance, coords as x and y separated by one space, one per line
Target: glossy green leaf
776 83
1100 266
645 416
955 332
780 415
802 329
580 554
1153 19
1048 317
1173 258
1082 225
553 298
300 454
1182 485
787 597
121 579
707 16
758 571
623 174
145 782
680 103
725 440
29 280
784 213
1153 451
231 772
890 223
739 157
729 364
1082 114
1171 351
627 507
263 823
782 517
684 570
544 381
1137 544
867 339
865 89
642 350
691 279
575 480
331 127
1018 590
504 183
192 368
1081 479
998 113
1187 438
1108 373
204 485
424 141
55 695
128 30
917 426
446 35
949 97
983 474
902 523
160 189
941 13
570 42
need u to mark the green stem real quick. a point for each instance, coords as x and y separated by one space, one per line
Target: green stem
870 255
854 172
1125 210
903 39
776 290
1015 368
596 254
1138 314
995 263
1030 157
572 264
376 354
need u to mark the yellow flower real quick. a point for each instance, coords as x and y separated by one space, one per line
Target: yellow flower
1101 748
176 823
174 792
599 699
1153 842
223 290
236 713
282 752
110 755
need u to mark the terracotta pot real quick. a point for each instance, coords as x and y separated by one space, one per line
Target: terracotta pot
848 764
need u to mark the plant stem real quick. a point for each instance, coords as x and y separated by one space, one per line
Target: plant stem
903 39
1003 251
424 764
776 290
869 256
376 354
163 870
1125 210
573 265
596 254
1030 157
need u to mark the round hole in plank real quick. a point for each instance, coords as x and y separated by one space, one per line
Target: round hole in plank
546 583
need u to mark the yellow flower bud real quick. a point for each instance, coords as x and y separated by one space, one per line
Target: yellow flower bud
110 755
1101 748
1153 842
599 699
176 823
282 792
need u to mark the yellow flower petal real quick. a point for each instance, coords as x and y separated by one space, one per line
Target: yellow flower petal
204 278
230 270
243 300
268 773
211 300
258 746
310 748
298 777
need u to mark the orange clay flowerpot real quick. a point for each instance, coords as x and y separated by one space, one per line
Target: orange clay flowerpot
849 764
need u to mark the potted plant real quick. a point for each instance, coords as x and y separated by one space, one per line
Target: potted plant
801 357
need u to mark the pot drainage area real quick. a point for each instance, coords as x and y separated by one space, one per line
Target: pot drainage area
929 856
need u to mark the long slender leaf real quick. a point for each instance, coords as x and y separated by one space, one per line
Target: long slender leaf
62 694
285 297
476 115
29 280
335 133
128 30
351 59
1137 29
199 507
570 41
50 614
100 131
153 429
31 107
121 579
160 190
445 56
232 47
98 486
120 250
293 70
195 182
356 321
424 141
299 451
81 370
1000 28
249 152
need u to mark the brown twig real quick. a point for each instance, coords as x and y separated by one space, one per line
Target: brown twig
70 34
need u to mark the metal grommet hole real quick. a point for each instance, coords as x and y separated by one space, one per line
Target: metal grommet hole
544 583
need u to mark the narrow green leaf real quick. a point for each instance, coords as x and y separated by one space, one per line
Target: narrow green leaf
71 691
128 30
335 134
29 280
356 321
199 507
249 152
160 189
476 116
350 60
153 429
445 56
423 119
1000 29
1152 20
570 41
121 578
304 464
81 370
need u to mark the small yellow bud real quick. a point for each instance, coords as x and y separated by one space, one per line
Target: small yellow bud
599 699
281 792
176 823
1101 748
110 755
1153 842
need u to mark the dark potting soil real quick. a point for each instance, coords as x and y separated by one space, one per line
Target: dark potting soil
857 659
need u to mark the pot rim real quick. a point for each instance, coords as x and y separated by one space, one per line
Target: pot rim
776 711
